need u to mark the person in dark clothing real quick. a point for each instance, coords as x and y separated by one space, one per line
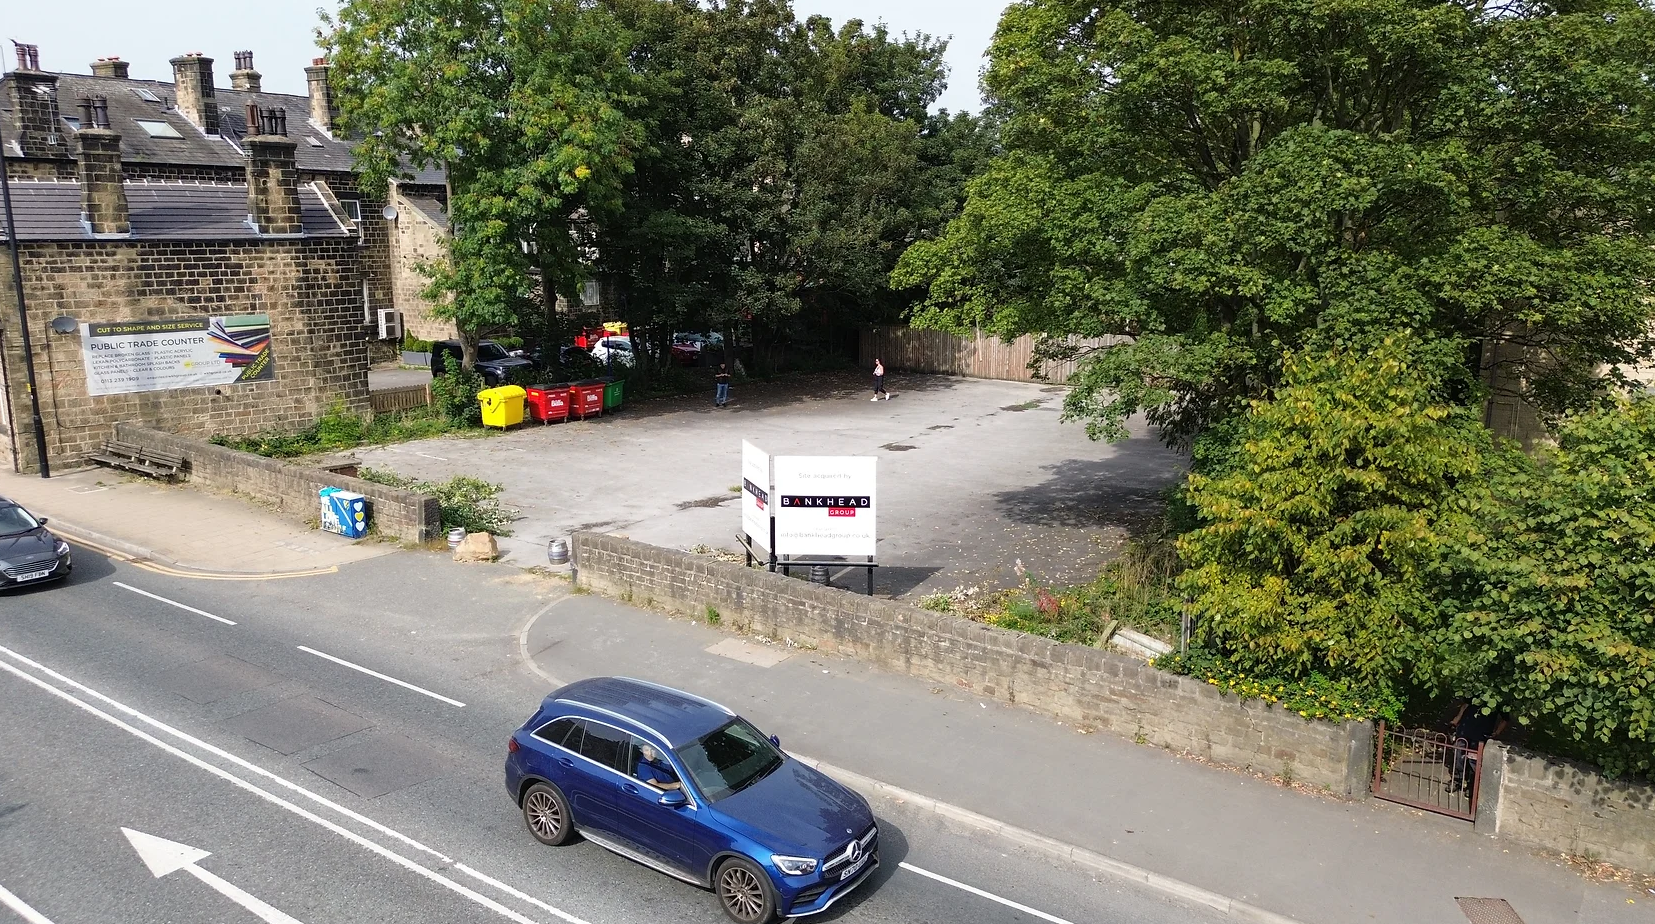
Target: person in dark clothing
653 770
721 395
879 381
1473 727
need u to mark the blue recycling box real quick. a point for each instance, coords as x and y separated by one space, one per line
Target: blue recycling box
344 512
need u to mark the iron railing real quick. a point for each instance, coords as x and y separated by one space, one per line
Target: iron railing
1427 770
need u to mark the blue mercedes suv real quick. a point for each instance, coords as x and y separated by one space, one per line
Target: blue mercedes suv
686 787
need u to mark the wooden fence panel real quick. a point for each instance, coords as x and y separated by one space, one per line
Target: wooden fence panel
982 356
400 399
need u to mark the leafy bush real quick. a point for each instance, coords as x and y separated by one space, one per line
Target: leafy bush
469 503
509 343
412 344
1318 535
454 395
1553 589
1314 697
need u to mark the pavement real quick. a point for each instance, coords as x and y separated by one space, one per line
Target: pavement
495 637
974 475
391 377
181 527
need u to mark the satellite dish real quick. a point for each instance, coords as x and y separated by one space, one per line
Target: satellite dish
63 324
389 212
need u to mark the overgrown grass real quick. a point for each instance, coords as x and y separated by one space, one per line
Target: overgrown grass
339 430
468 503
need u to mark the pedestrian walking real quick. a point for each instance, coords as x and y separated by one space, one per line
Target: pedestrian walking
721 396
1471 729
879 382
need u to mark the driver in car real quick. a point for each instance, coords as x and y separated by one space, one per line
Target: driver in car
655 771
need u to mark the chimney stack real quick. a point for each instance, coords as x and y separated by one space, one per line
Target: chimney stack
322 110
244 77
272 174
192 76
40 133
102 190
110 67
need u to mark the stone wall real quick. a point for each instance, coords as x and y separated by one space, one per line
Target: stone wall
377 269
311 288
403 515
1072 682
417 240
1568 807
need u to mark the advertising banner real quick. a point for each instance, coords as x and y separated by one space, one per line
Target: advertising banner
129 356
756 508
825 505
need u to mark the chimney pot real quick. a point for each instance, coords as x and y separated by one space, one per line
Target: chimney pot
28 56
100 112
244 78
85 103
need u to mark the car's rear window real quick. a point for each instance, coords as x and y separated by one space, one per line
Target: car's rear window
730 759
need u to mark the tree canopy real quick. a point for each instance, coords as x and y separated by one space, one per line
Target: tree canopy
1224 181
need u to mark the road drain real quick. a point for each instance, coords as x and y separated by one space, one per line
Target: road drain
1488 911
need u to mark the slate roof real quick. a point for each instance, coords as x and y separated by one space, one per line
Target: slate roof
195 148
432 208
49 210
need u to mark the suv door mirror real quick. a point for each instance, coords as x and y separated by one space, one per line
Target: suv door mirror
674 798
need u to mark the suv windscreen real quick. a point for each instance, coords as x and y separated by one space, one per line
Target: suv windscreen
729 760
488 351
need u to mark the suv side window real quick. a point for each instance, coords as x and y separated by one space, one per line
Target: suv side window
605 745
563 732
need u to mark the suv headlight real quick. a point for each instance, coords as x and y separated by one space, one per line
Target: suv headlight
794 866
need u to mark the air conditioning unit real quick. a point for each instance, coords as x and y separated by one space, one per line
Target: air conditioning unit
390 324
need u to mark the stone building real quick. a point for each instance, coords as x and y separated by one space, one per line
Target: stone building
221 285
192 130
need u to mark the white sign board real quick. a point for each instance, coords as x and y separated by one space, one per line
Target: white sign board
129 356
755 494
825 505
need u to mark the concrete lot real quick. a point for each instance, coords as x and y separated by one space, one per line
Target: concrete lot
973 475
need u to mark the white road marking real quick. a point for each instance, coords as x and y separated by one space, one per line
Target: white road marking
980 893
145 593
427 455
387 679
23 911
274 799
164 857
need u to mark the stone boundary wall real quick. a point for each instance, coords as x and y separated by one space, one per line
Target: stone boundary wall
291 489
1566 806
1071 682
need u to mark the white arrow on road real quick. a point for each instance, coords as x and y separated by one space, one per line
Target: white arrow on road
164 857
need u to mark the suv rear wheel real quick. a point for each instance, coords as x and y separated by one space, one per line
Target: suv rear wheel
745 892
546 813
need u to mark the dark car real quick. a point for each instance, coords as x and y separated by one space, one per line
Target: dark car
494 362
29 553
688 788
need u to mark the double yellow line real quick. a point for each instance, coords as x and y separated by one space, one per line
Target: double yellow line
157 568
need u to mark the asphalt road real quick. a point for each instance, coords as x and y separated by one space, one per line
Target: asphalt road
227 717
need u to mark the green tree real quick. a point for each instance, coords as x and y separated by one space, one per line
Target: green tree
1553 589
1318 536
521 102
1219 182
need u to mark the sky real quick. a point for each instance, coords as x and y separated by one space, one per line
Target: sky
281 34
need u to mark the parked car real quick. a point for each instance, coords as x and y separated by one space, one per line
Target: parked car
494 362
688 788
29 553
613 349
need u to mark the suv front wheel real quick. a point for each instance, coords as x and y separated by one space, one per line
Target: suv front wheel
745 892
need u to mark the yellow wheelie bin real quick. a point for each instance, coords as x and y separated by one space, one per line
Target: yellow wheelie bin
503 406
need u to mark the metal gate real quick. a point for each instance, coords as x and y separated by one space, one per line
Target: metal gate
1427 770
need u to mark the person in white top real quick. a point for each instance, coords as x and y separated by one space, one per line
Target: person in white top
879 382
